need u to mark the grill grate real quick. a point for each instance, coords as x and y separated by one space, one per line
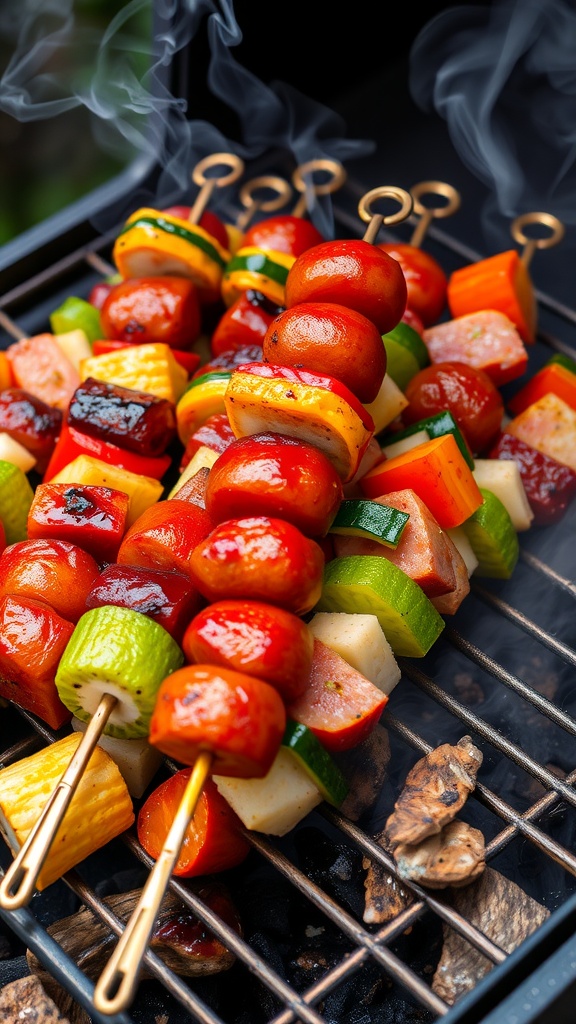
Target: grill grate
471 682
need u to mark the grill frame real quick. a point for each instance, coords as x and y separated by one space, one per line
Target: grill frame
517 988
534 984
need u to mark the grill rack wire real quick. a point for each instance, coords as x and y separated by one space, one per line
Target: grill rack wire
514 981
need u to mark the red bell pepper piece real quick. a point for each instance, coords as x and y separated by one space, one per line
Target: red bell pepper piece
88 515
32 640
551 378
73 442
215 433
213 840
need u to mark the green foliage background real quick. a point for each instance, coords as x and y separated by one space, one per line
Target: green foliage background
46 164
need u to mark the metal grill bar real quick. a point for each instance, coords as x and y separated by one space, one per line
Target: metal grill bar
521 620
367 945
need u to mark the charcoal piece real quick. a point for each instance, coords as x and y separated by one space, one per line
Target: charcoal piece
500 909
26 1000
455 856
333 865
364 767
384 895
435 790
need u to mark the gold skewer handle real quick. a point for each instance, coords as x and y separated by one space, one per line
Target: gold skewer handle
19 882
303 181
208 184
116 986
547 220
427 212
376 220
250 197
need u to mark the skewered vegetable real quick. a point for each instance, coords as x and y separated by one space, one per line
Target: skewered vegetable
467 392
102 799
331 339
263 397
437 472
62 572
254 637
275 475
146 310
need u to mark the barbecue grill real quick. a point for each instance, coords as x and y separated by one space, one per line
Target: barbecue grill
501 672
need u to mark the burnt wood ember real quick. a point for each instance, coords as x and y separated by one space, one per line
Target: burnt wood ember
454 856
435 790
26 1000
500 909
384 895
179 939
364 767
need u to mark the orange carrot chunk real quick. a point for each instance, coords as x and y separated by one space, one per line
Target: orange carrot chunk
499 282
551 379
437 472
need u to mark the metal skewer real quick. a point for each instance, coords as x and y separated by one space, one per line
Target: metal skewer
303 180
19 881
209 183
116 986
427 212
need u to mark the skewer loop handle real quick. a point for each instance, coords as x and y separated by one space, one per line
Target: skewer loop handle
303 181
427 213
281 192
547 220
376 220
208 184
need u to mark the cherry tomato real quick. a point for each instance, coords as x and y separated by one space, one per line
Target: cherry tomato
254 637
153 309
213 840
328 338
261 559
244 323
354 273
469 394
413 320
426 282
60 572
238 718
275 475
99 293
284 233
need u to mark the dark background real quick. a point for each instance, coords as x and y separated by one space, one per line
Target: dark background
354 59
